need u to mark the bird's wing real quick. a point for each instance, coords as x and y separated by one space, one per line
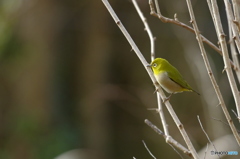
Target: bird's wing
175 76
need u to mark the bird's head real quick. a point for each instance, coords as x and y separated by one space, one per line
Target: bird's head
158 65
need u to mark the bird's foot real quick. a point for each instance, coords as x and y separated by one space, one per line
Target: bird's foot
156 90
167 99
156 85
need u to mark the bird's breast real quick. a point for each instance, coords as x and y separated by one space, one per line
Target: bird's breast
167 84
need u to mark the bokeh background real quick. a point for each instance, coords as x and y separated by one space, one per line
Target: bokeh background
69 81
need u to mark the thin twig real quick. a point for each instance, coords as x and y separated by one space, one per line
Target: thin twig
147 28
206 134
145 145
235 114
157 6
155 128
205 152
225 122
175 150
169 139
220 121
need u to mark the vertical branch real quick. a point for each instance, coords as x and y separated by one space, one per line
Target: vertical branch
162 116
152 42
232 25
157 7
233 48
223 44
236 13
147 28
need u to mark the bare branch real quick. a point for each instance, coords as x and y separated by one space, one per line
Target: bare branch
205 152
236 13
220 121
169 139
148 150
155 128
162 116
147 28
225 122
232 24
206 134
175 150
234 53
235 114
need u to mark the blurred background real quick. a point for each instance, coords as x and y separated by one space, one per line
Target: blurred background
70 85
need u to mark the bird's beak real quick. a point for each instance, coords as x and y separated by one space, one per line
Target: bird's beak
149 65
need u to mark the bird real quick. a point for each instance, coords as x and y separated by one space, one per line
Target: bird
169 78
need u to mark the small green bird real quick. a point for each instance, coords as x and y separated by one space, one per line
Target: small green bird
169 77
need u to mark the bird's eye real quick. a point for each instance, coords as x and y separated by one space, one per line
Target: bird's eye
154 65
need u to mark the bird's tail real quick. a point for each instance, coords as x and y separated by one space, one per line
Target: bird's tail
195 92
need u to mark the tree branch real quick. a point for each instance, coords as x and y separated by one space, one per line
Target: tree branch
170 140
147 28
152 42
177 22
145 145
236 14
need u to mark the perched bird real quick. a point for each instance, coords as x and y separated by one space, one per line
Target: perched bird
169 77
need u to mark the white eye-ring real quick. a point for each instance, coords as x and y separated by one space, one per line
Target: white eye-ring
154 65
